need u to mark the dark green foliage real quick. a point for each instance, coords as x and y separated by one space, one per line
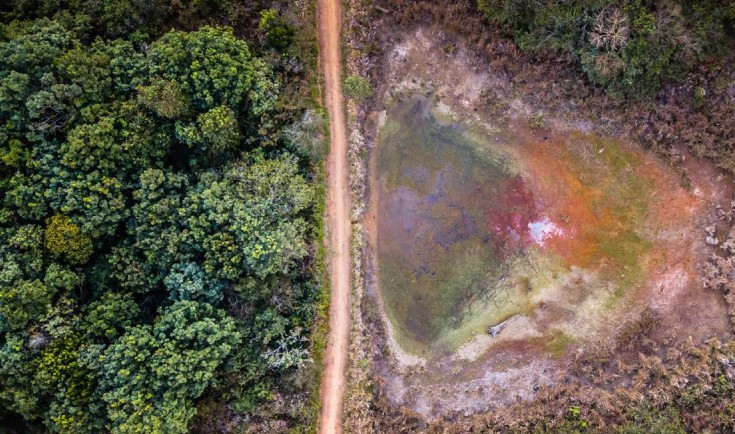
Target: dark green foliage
105 319
279 34
24 302
187 281
628 46
151 374
154 224
213 68
137 20
17 370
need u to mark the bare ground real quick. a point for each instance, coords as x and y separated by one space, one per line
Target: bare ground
338 221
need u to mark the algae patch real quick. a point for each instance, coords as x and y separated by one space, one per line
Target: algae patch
472 231
444 207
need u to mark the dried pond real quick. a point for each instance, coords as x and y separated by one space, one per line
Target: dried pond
472 231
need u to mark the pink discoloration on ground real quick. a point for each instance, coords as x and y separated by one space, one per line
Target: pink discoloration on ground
508 222
544 229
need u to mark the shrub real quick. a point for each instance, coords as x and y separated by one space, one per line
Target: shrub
278 34
357 88
628 46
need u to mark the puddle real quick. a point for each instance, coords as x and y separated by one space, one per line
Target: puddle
475 219
471 232
450 218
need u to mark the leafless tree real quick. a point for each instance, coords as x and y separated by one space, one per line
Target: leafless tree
611 30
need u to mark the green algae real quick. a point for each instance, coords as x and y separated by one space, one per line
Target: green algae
434 250
445 273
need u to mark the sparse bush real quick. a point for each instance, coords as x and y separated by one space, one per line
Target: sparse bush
357 88
307 135
699 95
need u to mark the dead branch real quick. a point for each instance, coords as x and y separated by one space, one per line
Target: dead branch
494 330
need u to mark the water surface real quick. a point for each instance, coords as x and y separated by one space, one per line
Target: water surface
449 218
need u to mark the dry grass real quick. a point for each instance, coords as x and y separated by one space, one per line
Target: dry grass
614 380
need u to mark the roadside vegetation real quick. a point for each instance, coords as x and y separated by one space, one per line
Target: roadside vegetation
160 216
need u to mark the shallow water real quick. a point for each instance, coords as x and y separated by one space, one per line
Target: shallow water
449 218
557 227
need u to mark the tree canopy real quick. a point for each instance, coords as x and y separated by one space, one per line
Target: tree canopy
628 46
155 226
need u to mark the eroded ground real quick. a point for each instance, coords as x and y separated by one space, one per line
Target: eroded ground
479 215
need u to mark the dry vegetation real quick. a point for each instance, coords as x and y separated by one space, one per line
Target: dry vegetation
719 270
358 397
638 381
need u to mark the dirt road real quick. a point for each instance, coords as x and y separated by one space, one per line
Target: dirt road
338 215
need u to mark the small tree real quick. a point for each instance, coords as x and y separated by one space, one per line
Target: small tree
278 34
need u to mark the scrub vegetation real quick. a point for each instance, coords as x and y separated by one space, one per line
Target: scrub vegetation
630 47
160 216
608 82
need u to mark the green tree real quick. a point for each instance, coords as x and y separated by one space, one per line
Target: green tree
250 221
279 35
119 141
108 317
151 374
17 367
214 68
71 386
243 222
165 98
24 303
219 130
189 282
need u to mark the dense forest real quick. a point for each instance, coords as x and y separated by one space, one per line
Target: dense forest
160 197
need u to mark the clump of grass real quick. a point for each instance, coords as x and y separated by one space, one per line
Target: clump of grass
558 343
537 121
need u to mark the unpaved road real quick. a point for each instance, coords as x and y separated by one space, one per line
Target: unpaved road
338 221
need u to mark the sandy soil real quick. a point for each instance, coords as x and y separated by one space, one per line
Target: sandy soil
338 221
